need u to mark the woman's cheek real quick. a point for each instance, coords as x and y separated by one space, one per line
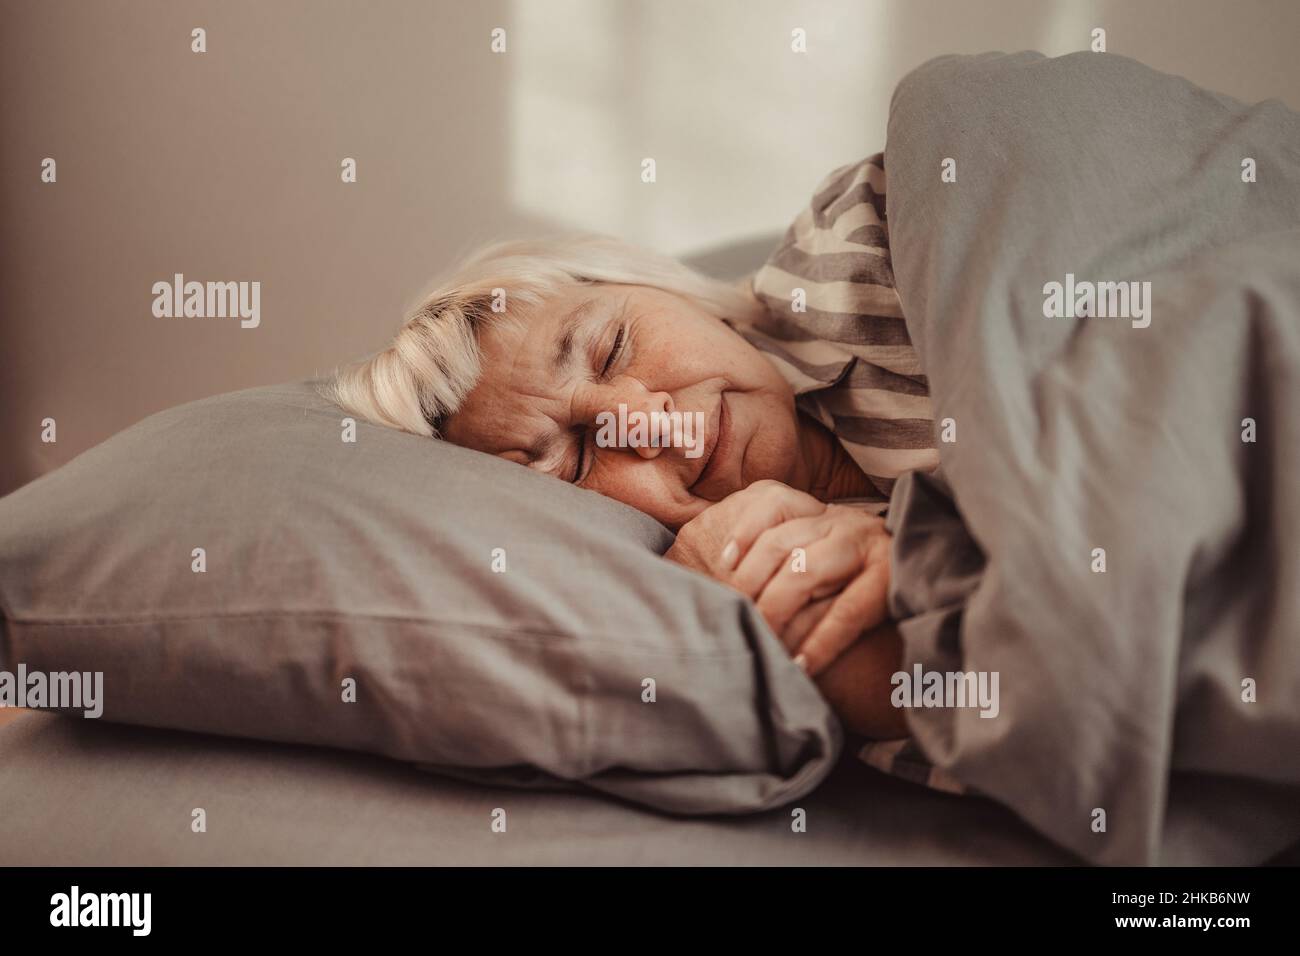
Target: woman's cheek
638 487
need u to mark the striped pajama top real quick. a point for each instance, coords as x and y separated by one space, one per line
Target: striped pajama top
834 328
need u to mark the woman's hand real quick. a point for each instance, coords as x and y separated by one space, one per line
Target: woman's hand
708 542
818 573
819 581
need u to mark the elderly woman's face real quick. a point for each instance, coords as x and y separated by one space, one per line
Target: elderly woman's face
601 346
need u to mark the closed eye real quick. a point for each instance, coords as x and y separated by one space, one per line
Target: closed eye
577 468
615 351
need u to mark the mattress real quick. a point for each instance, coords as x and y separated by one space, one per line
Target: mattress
81 793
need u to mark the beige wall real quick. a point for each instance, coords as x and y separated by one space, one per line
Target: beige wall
225 165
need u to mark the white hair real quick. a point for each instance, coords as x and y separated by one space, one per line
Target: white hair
434 361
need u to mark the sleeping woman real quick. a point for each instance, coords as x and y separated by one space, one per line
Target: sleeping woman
810 392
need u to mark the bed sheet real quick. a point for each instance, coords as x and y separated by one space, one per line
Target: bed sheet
78 793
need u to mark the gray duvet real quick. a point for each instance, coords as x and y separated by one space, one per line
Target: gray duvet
1115 529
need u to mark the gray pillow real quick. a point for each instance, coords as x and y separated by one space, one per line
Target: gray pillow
374 560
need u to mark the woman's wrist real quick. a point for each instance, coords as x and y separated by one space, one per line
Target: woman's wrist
858 685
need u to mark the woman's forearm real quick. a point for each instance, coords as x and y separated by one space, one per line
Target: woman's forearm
858 684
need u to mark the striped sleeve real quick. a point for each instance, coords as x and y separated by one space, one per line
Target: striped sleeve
834 325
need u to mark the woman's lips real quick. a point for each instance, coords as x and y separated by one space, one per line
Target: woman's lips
719 445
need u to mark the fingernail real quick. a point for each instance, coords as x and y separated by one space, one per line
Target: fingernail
729 555
801 662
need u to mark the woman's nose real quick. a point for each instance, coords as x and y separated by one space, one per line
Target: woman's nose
639 419
658 426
